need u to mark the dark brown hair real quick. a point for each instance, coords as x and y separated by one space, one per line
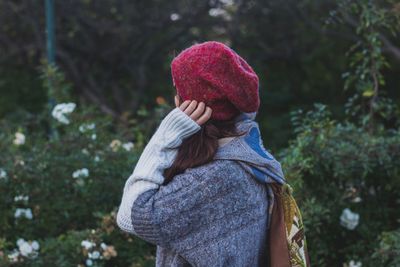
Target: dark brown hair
201 147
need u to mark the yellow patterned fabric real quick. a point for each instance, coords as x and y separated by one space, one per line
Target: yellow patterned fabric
287 241
294 229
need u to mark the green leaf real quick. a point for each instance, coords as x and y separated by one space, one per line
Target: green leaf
368 93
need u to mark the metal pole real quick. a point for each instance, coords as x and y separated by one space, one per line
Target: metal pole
50 31
50 43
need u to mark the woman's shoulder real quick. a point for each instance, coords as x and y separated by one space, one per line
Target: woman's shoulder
219 172
216 166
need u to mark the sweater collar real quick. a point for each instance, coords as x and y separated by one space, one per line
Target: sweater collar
248 150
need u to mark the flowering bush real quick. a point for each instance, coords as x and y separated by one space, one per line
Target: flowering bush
61 178
25 249
348 182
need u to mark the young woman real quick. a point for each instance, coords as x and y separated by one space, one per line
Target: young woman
199 190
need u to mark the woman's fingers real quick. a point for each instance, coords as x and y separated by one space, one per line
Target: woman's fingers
192 106
205 117
197 112
184 105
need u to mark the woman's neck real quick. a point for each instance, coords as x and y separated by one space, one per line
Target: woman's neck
224 140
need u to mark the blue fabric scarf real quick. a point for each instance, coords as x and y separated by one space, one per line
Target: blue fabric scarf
249 151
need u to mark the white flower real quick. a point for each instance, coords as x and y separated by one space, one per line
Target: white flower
94 136
18 213
28 214
96 158
35 245
20 241
87 244
13 257
355 264
356 200
103 246
84 172
23 212
174 16
89 262
128 146
3 174
349 219
95 255
21 198
25 249
19 139
86 127
61 110
214 12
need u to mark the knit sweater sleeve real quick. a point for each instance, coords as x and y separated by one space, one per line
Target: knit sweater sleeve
158 155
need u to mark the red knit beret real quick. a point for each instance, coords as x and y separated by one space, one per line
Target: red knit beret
213 73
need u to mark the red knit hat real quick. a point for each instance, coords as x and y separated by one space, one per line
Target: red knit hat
213 73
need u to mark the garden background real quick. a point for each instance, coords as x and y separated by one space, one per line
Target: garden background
74 119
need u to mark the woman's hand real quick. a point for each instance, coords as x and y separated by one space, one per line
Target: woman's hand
199 113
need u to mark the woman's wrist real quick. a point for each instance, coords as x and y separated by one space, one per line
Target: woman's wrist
161 149
175 127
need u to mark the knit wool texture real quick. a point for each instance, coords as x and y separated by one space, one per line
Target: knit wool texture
216 214
213 73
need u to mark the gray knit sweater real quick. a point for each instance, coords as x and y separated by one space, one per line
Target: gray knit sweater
216 214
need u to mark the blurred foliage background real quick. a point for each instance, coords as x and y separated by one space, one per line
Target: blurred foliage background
329 75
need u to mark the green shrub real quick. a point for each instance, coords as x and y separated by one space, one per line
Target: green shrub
335 166
388 252
61 181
